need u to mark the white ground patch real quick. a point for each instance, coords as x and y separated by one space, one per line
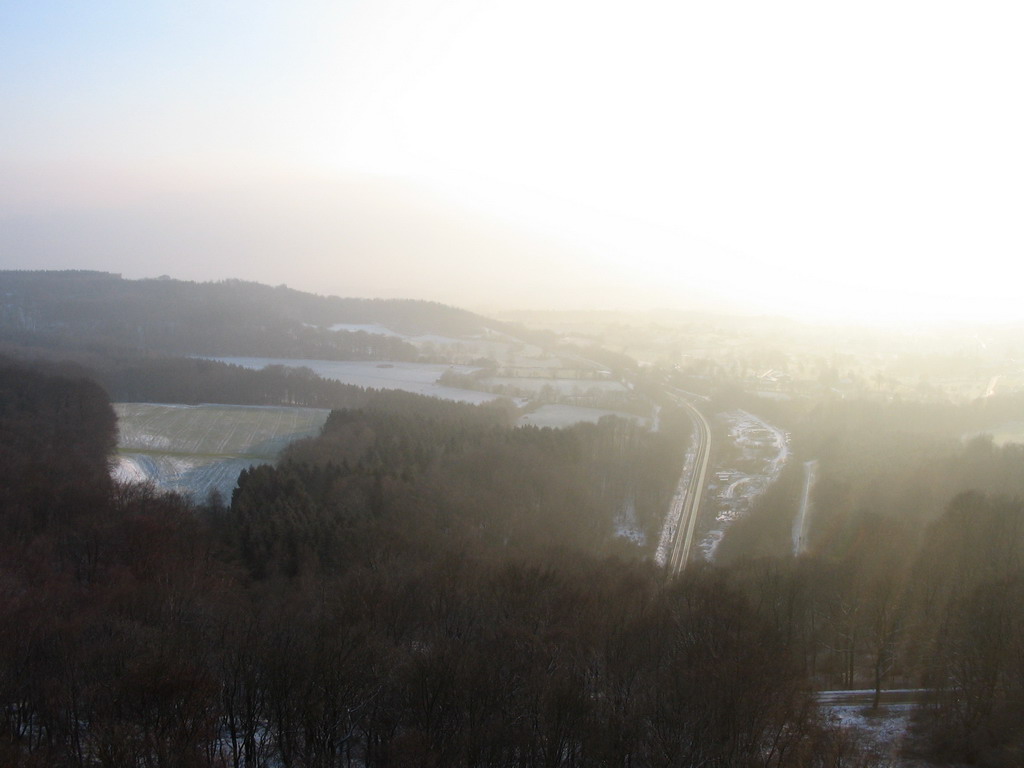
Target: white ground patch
800 524
566 415
675 511
562 387
506 353
503 349
198 449
374 328
444 341
419 378
128 470
763 451
627 526
879 733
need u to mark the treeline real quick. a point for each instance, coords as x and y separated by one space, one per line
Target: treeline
189 381
72 310
456 477
968 615
55 436
145 631
192 380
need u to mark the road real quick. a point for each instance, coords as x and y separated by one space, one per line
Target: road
690 491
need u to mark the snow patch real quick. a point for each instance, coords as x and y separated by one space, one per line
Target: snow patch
879 732
675 511
374 328
128 470
418 378
566 415
564 387
800 524
627 526
197 449
764 451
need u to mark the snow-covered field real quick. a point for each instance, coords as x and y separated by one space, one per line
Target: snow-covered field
197 449
496 346
374 328
561 386
194 476
420 378
763 451
508 352
567 415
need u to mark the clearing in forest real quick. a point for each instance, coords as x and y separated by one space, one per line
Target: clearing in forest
196 449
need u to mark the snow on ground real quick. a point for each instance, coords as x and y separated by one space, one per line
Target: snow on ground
213 429
420 341
567 415
561 386
763 451
422 378
880 732
128 470
675 511
374 328
442 341
419 378
195 476
800 524
496 346
627 526
198 449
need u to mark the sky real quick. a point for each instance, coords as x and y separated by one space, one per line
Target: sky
838 161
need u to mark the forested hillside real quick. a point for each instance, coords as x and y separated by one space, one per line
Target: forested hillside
79 310
456 476
56 435
426 584
375 601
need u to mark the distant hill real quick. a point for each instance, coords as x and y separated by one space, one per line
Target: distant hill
231 317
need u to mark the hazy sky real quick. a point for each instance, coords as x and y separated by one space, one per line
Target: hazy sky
857 159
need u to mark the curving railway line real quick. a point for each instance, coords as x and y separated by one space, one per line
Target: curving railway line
690 492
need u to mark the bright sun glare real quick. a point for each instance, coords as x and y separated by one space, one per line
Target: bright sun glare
855 161
863 154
